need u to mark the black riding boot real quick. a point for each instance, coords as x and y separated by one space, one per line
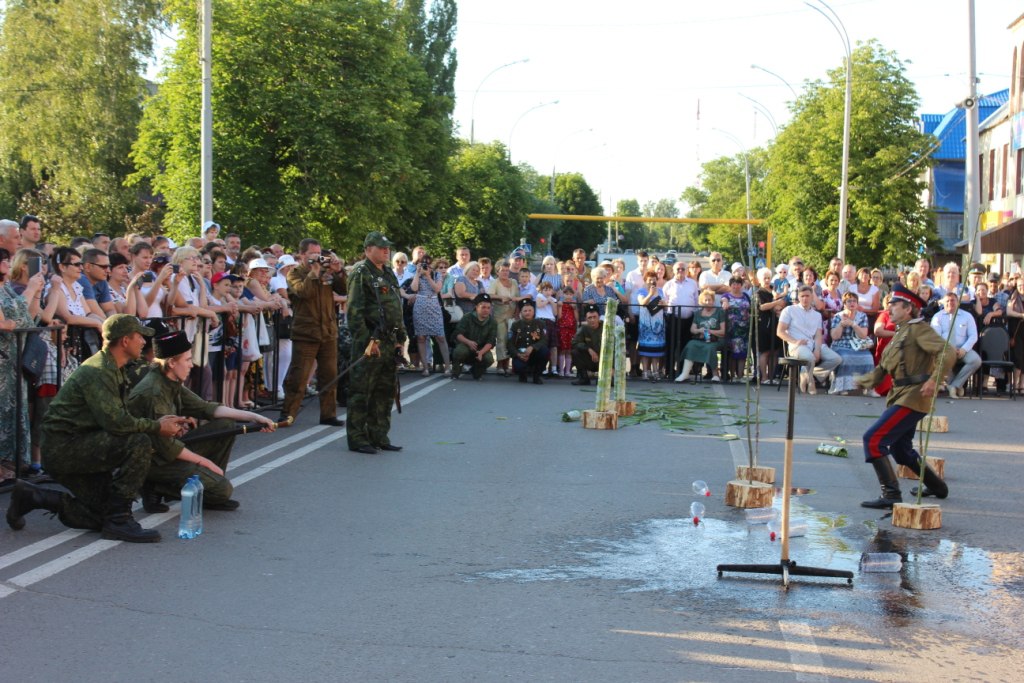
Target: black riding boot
537 372
933 485
890 485
582 378
120 525
151 500
27 497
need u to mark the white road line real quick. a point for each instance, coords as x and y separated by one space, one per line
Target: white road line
79 555
739 452
276 446
803 651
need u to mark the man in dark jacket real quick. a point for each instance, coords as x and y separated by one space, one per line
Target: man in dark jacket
586 346
475 337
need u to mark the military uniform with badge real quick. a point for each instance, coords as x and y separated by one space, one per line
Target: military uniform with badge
475 337
375 323
911 359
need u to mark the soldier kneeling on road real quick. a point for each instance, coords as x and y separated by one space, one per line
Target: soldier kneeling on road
475 337
94 447
162 392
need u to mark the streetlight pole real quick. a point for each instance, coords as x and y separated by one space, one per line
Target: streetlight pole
472 110
973 168
746 177
521 116
206 118
844 187
764 110
772 73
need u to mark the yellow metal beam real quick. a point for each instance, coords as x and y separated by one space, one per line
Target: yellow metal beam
643 219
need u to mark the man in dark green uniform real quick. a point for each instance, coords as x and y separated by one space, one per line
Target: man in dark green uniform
162 392
528 342
94 447
375 323
475 337
586 346
311 289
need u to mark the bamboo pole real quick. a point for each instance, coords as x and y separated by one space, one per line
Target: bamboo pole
620 362
606 362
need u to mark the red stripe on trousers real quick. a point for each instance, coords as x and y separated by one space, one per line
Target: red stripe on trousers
883 431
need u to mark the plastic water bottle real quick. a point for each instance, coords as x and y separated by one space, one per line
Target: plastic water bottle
881 562
797 527
760 515
697 512
707 335
191 523
700 487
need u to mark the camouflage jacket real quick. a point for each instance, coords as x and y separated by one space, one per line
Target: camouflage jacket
366 283
93 400
313 304
588 338
483 332
155 396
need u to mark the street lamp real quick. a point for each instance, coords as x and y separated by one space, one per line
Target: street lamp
521 116
844 187
772 73
746 177
472 110
764 110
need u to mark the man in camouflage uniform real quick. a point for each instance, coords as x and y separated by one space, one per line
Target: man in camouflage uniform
311 289
475 337
586 345
94 447
911 359
375 323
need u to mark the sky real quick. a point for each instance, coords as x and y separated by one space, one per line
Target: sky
628 76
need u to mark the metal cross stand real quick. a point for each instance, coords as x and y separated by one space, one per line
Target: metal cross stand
786 566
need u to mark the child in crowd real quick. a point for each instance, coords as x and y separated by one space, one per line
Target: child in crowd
546 303
527 290
566 314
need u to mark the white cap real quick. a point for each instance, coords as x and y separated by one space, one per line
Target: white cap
737 265
285 261
258 263
210 224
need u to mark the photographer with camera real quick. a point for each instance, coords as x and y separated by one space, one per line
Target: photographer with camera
311 288
375 321
427 318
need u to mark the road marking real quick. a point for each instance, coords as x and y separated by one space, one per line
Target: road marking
736 447
803 651
79 555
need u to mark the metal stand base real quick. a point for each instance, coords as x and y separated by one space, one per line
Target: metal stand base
785 569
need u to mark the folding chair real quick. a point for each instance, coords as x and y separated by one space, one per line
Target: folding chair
994 349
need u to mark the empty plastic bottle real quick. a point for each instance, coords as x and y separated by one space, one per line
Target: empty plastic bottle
761 515
696 511
797 527
701 488
881 562
191 523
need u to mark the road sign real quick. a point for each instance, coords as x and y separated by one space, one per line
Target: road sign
760 263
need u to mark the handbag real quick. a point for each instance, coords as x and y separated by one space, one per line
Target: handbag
653 305
283 327
33 356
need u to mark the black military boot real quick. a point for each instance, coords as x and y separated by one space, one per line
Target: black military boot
151 500
119 525
890 485
933 485
582 378
537 379
27 497
522 377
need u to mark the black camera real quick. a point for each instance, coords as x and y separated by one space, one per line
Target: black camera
425 262
324 261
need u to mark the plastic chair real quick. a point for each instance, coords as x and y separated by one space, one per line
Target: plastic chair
994 349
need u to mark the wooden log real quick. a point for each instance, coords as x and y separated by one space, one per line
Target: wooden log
757 473
937 464
936 424
743 494
625 408
600 419
911 516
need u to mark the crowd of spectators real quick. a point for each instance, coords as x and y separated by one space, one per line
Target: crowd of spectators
233 305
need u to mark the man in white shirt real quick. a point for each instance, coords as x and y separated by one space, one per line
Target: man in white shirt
458 269
800 328
635 277
965 336
717 279
681 297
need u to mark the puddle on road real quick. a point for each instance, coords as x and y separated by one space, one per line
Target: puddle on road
943 584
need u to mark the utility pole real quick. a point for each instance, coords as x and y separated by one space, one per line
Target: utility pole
972 170
206 127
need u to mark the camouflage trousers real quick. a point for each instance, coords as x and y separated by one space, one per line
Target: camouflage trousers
168 478
371 396
95 467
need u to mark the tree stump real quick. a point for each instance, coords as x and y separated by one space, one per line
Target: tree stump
600 419
936 424
625 408
937 464
757 473
743 494
911 516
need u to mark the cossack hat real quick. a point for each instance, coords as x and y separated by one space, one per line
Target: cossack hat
527 302
121 325
170 345
901 293
377 239
591 308
482 297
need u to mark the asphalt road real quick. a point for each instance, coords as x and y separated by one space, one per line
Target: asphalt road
504 544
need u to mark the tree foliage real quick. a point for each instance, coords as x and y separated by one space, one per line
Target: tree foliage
574 196
631 235
71 84
887 223
331 118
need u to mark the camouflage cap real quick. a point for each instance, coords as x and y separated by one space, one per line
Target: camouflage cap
377 239
121 325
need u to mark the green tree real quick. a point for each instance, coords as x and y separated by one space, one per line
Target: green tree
887 222
661 236
722 194
574 196
631 235
329 116
490 201
70 74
